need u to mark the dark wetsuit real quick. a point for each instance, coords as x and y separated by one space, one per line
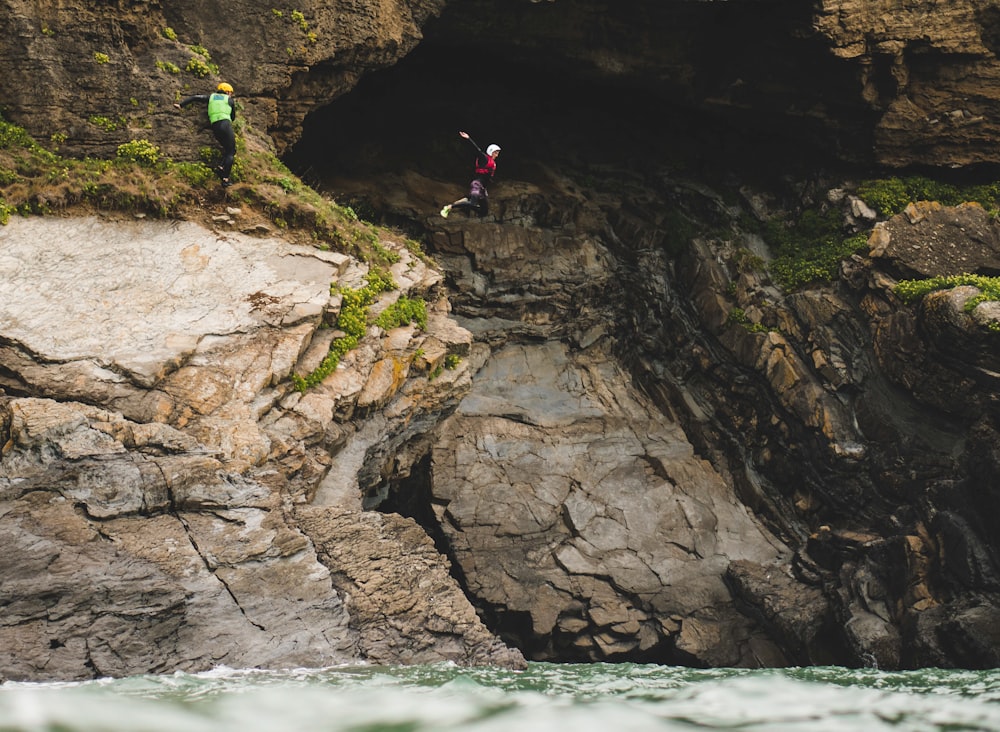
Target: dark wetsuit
221 113
478 198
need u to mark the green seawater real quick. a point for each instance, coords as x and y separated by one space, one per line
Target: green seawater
545 697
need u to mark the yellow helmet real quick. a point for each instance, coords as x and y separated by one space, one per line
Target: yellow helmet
224 88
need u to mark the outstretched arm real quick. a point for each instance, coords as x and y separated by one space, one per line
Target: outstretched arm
188 100
466 136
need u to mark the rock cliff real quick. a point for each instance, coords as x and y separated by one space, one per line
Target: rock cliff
612 467
169 501
893 83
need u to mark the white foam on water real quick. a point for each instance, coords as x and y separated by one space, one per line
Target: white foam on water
546 697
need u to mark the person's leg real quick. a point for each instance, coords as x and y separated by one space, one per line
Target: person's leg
474 203
447 209
460 203
223 131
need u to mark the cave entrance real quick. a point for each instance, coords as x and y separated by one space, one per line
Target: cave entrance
747 99
408 117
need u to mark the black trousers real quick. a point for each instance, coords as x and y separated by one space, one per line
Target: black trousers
223 131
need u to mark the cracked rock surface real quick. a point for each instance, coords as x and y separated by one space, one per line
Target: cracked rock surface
568 499
153 456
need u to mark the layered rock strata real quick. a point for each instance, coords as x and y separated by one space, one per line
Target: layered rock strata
808 484
161 479
854 427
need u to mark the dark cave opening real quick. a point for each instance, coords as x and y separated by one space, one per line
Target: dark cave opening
408 117
411 497
745 101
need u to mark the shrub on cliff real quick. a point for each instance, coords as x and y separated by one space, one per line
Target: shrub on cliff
889 196
142 152
353 322
811 248
989 289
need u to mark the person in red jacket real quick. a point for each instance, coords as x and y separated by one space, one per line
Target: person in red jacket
221 113
486 167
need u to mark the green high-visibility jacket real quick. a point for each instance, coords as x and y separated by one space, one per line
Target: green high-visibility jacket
219 107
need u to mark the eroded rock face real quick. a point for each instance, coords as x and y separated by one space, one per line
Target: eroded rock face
154 455
891 82
402 597
824 412
859 434
921 67
570 501
134 553
95 75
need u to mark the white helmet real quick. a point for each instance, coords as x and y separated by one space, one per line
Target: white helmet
492 149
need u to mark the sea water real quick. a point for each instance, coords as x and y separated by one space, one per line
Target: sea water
545 697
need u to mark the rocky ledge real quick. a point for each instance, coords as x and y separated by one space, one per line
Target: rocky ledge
160 479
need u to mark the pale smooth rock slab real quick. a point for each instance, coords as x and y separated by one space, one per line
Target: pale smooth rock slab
154 288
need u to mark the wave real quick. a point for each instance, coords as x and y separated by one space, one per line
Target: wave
545 697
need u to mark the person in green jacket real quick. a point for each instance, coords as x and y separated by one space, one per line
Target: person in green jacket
221 113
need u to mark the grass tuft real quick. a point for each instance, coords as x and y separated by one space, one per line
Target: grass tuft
34 180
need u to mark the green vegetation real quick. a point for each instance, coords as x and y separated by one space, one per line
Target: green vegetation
296 16
142 152
300 19
169 34
892 195
106 124
737 316
142 179
170 68
12 136
989 290
101 58
405 310
889 196
810 249
353 321
201 63
198 67
201 51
